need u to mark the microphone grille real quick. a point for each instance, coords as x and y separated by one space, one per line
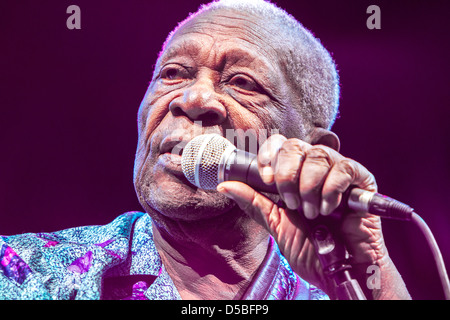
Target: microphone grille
201 158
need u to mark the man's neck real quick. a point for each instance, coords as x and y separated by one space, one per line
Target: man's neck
216 259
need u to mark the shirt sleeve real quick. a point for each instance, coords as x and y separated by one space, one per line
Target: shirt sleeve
17 280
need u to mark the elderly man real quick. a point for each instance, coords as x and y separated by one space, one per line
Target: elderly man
232 65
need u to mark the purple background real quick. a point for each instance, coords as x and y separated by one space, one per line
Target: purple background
69 98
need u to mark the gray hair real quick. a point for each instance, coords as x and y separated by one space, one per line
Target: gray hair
309 67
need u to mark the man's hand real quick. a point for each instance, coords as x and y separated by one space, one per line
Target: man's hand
314 179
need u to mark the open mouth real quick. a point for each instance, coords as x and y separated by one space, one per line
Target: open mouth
172 146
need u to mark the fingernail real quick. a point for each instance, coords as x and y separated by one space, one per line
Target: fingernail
267 174
310 210
325 208
224 191
291 200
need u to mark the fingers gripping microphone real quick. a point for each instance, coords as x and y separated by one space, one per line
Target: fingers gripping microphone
210 159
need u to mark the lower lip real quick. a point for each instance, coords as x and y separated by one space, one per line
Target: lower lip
171 162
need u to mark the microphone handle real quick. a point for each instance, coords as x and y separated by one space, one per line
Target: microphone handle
243 166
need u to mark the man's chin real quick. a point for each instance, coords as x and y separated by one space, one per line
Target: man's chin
179 201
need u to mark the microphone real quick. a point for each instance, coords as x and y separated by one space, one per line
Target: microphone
210 159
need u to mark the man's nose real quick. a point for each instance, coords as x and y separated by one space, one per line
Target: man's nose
199 101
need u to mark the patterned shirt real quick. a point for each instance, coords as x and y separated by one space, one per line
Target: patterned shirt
117 261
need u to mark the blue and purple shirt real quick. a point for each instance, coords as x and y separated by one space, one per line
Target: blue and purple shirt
117 261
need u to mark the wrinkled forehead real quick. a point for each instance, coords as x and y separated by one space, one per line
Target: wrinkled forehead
250 31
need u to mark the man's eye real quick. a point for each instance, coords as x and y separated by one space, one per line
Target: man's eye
244 82
170 74
174 73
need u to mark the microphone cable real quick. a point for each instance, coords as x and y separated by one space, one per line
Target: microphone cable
439 261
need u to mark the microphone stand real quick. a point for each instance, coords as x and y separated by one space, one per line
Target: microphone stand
333 257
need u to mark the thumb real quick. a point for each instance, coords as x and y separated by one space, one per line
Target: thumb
257 206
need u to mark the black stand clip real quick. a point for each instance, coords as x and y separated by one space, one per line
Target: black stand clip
334 260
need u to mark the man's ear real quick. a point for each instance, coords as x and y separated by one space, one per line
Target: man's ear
325 137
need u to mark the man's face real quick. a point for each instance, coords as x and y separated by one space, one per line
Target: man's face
218 72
